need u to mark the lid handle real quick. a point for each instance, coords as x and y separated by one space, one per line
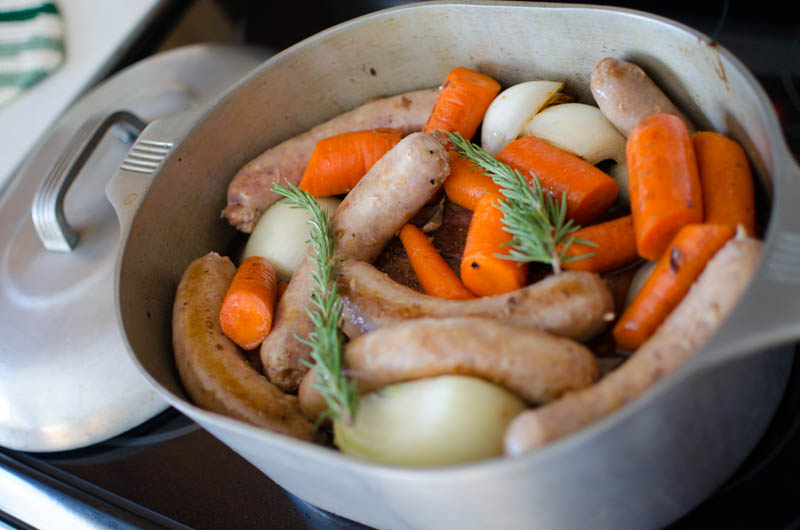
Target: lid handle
48 203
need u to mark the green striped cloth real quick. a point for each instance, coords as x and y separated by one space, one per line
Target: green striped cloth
31 44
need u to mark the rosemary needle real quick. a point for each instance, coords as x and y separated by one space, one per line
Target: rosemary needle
327 340
538 224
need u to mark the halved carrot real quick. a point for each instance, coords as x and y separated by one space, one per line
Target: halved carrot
338 162
466 183
663 182
482 271
726 181
589 191
434 274
462 101
616 246
681 264
249 304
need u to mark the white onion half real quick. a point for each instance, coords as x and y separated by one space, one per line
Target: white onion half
511 109
280 236
430 422
579 129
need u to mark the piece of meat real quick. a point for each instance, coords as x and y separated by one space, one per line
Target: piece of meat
249 192
626 95
534 365
572 304
212 368
449 239
396 187
709 301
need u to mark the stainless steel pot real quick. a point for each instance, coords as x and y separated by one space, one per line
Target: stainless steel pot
643 466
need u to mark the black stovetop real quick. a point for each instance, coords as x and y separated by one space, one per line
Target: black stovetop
170 473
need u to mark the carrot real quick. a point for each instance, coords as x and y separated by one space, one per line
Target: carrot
466 184
726 181
679 266
434 274
616 246
338 162
663 182
462 101
482 271
589 191
249 303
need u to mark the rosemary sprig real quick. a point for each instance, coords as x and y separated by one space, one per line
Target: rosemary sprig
327 340
535 219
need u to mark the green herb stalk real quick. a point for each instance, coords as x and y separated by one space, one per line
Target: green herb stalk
327 340
535 219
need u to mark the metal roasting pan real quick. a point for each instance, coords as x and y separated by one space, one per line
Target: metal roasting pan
643 466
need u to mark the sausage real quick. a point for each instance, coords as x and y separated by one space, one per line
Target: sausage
709 301
573 304
249 192
383 201
212 368
535 365
626 95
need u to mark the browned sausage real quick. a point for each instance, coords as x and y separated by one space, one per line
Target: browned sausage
626 95
535 365
211 366
392 191
249 192
695 319
572 304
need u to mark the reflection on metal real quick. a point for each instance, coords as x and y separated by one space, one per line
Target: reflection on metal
43 507
47 211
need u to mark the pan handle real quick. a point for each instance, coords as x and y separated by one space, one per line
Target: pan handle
768 313
155 145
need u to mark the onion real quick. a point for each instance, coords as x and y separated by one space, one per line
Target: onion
430 422
579 129
511 109
583 131
281 236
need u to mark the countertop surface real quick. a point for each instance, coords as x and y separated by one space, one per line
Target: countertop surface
95 36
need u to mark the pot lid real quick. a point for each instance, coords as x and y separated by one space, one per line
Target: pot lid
66 379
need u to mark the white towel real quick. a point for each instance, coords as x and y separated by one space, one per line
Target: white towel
31 44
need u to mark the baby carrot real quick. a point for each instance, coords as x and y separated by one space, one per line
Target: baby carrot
482 271
678 268
616 246
589 191
726 181
466 184
249 303
338 162
462 101
663 181
434 274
